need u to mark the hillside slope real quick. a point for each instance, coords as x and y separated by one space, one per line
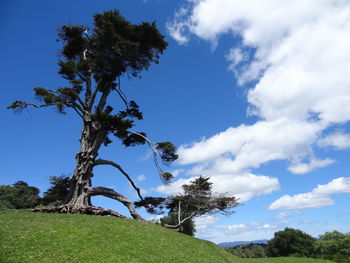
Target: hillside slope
35 237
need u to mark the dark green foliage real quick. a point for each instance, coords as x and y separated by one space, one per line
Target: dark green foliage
167 152
333 245
188 227
198 198
153 205
19 195
58 191
290 242
249 251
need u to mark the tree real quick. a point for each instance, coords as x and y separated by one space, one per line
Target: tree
290 241
57 193
197 199
333 245
18 196
188 227
92 63
249 251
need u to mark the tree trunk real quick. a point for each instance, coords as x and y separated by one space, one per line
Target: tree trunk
90 142
79 197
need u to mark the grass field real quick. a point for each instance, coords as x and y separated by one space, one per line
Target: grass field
35 237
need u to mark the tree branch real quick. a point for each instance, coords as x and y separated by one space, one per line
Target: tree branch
76 110
153 147
107 162
110 193
25 104
102 101
179 224
121 94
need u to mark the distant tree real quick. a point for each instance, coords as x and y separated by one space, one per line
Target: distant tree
58 191
333 245
19 195
249 251
290 242
92 62
188 227
197 199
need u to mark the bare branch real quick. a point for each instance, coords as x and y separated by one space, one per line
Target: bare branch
121 94
22 105
110 193
180 223
153 147
107 162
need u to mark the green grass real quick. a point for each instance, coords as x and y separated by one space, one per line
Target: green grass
289 260
36 237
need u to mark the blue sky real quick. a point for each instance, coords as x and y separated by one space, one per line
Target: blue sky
255 94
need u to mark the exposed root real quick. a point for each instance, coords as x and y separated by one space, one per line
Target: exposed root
89 210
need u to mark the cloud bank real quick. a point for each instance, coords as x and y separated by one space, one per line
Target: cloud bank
297 53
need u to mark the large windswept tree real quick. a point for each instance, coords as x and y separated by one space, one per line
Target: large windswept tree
92 61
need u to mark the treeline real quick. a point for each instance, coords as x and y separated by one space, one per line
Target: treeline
20 195
293 242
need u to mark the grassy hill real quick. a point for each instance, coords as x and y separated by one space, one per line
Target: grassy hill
36 237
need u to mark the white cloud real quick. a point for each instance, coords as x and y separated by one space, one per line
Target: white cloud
337 140
301 201
235 229
246 228
299 57
176 29
176 172
303 168
244 186
202 222
336 186
282 215
269 226
172 188
141 178
253 145
318 197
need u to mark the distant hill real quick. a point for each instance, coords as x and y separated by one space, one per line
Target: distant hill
238 243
